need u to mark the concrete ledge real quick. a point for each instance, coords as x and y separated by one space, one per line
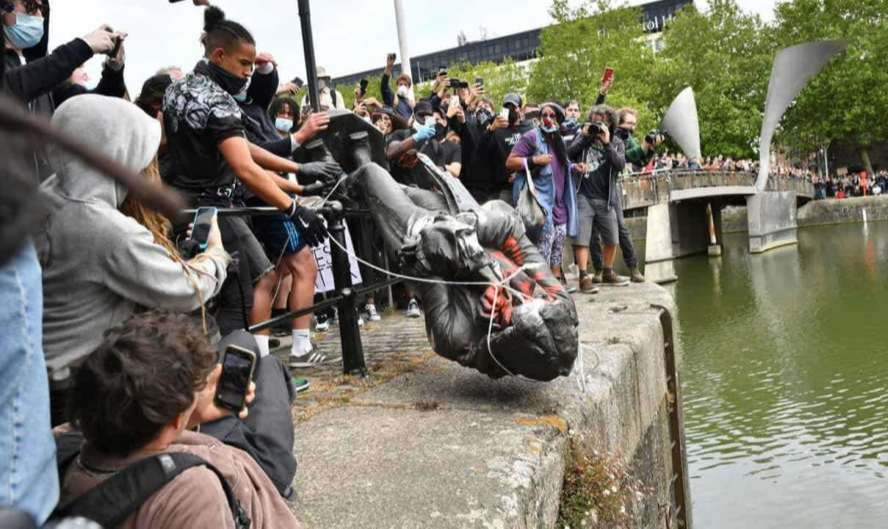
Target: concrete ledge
444 446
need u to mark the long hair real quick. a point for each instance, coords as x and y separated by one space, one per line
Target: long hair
159 226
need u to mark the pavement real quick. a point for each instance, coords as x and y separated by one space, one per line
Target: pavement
424 442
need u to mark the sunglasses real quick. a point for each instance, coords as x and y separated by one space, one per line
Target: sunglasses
32 7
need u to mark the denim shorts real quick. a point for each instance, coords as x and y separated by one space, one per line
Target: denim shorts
596 212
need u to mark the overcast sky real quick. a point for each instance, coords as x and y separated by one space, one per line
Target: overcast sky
349 35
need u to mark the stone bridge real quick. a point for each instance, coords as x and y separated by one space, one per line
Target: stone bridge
684 212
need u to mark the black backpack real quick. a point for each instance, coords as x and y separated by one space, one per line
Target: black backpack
109 503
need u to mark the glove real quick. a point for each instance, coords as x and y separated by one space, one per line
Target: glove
316 189
426 132
310 224
320 171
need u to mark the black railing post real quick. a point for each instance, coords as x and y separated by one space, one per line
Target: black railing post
349 333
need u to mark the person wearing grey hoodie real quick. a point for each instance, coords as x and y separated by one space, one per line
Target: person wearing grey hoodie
100 265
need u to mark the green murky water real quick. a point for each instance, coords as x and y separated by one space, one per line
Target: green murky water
785 381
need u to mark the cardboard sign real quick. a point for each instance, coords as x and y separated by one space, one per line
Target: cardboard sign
323 256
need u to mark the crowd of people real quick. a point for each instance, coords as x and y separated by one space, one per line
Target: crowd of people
857 184
110 311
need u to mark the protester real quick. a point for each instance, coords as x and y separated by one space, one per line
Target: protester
209 153
542 153
98 263
505 138
402 101
597 198
328 97
140 393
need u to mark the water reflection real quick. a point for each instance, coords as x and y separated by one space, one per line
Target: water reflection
786 381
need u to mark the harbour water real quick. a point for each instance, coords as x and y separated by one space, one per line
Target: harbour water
785 381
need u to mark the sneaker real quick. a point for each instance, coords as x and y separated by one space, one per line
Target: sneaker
413 309
635 276
360 321
597 277
309 359
300 384
372 315
323 323
568 288
586 286
273 343
612 279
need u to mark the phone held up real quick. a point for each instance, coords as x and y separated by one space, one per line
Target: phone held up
203 221
238 365
608 75
363 86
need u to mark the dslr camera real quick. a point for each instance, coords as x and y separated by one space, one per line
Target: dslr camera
457 83
596 127
653 135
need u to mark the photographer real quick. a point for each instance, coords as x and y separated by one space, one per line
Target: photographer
476 145
639 155
597 195
402 100
506 134
138 394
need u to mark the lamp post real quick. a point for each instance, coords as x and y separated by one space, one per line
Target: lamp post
402 39
311 69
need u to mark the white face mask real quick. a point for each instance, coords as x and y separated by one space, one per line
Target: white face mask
322 83
403 90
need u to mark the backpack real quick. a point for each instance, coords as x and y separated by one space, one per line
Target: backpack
110 502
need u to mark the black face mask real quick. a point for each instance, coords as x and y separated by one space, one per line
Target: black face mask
513 116
484 116
229 82
440 131
623 134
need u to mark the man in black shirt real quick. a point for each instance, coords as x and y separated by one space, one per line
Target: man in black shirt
504 139
208 151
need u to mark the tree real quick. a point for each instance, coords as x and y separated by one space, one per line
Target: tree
847 100
725 54
582 42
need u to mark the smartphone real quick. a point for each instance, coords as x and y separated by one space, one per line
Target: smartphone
479 81
200 231
116 49
454 100
504 113
364 83
238 365
608 75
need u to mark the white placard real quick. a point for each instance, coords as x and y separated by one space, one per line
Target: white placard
324 281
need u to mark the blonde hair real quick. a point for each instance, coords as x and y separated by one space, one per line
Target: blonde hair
161 228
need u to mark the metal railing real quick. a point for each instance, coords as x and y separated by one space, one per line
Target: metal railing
650 188
344 296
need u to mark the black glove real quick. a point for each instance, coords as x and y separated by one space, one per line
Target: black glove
310 224
319 171
317 189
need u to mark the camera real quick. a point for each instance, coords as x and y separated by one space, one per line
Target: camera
457 83
596 127
653 135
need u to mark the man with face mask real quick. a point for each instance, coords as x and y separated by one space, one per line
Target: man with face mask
505 137
475 132
404 145
25 24
402 101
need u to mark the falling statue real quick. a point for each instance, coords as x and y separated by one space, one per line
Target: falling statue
490 301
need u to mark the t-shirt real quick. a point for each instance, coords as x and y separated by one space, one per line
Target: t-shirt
441 154
198 115
450 153
526 148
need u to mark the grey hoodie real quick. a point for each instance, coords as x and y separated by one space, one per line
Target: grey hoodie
99 264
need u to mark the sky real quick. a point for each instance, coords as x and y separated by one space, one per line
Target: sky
349 35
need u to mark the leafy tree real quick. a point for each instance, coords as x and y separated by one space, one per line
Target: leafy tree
725 54
582 42
847 101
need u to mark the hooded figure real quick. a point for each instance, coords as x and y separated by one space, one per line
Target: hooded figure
99 264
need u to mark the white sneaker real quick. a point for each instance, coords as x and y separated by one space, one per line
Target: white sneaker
372 315
360 321
413 309
309 359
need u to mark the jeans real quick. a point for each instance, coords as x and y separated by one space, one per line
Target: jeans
28 476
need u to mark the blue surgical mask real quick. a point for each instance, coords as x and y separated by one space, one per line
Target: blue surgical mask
27 31
283 124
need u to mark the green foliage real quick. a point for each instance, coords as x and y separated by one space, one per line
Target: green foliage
348 92
499 79
584 41
725 55
847 100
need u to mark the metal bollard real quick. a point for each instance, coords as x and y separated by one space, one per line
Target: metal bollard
349 333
